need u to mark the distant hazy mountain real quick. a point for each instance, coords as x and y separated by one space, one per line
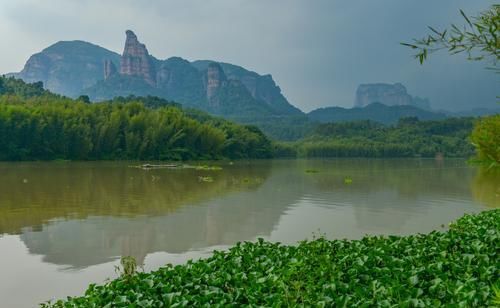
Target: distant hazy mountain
67 67
376 112
387 94
74 68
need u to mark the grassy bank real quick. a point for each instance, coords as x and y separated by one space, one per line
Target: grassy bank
459 267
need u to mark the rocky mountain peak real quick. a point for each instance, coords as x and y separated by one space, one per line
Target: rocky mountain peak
136 61
387 94
75 68
132 45
130 35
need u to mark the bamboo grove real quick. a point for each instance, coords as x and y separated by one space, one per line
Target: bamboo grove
42 126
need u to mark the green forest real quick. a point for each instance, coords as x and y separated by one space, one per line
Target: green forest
408 138
36 124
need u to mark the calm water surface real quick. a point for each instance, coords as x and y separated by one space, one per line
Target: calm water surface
65 225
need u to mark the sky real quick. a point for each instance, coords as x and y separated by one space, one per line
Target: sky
318 51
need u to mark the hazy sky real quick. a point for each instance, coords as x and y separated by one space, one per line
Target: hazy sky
318 51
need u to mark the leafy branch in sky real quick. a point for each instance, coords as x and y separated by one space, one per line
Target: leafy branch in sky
478 38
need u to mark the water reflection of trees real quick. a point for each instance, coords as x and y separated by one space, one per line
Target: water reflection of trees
486 187
251 209
401 187
34 194
409 178
84 214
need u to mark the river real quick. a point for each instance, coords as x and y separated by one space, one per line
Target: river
64 225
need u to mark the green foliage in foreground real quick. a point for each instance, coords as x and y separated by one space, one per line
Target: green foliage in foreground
459 267
409 138
486 139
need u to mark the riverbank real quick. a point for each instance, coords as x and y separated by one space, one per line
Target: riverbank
458 266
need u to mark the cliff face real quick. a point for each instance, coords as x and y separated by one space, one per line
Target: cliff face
215 80
261 87
387 94
136 60
109 69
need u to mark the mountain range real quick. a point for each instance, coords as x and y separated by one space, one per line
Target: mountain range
75 68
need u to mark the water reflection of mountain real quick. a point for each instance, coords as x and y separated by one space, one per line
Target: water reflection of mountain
244 206
84 214
35 193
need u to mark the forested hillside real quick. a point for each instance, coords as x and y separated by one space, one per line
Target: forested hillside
38 125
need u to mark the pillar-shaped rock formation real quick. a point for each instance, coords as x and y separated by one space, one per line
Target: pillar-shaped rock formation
136 60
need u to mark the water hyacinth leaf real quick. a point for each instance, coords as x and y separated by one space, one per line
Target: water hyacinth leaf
457 267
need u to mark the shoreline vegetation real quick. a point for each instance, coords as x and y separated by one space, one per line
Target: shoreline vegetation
408 138
458 267
148 166
38 125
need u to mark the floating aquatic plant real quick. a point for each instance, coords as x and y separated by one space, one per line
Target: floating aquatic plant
208 179
208 168
456 268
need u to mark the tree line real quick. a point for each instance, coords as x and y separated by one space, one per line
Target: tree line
47 127
409 138
38 125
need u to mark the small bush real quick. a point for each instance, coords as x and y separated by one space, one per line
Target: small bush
486 139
